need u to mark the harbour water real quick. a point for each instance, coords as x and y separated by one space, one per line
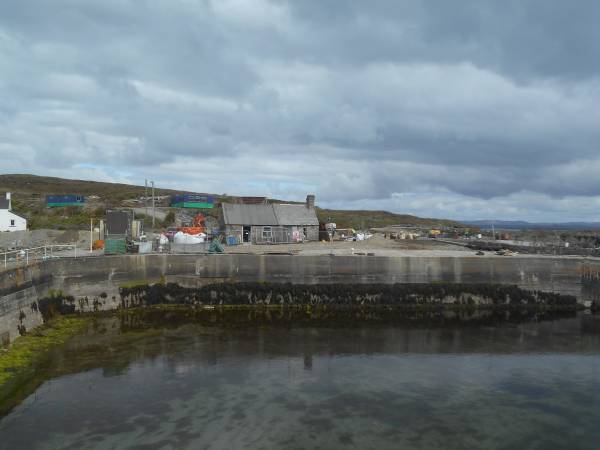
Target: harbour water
532 385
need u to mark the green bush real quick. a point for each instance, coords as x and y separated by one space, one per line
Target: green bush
169 218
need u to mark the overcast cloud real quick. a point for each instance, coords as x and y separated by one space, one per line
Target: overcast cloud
470 109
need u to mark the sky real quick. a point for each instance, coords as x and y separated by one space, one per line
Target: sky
464 110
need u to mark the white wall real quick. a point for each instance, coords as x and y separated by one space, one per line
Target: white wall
6 217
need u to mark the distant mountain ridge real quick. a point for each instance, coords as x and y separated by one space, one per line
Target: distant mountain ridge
523 225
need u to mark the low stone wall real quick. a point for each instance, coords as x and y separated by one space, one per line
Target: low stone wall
91 276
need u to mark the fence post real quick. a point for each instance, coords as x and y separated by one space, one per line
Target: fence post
45 253
5 260
26 257
75 245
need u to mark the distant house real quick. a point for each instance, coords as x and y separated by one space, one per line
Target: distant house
53 201
9 221
271 223
192 201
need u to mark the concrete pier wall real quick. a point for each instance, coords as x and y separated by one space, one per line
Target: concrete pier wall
91 276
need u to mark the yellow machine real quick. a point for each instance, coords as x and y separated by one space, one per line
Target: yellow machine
434 233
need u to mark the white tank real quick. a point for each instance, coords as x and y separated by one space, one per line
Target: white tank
182 238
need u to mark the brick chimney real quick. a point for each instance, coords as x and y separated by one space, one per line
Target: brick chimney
310 201
9 201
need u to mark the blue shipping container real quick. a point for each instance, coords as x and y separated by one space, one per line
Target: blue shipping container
65 200
192 201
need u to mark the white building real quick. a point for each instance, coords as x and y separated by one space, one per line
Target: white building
8 220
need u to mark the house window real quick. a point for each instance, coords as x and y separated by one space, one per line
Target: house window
12 222
267 234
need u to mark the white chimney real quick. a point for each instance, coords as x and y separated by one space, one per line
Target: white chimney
9 201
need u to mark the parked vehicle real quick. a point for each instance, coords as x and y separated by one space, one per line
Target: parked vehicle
170 233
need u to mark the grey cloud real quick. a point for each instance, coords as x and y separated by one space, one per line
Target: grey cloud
521 39
476 102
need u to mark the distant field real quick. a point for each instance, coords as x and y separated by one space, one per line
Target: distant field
30 191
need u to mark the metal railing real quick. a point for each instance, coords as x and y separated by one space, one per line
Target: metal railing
26 256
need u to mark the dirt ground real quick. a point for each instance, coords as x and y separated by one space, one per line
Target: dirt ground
377 245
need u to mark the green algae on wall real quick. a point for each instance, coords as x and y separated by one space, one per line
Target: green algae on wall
19 363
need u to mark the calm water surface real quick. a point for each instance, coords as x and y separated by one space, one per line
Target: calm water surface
527 386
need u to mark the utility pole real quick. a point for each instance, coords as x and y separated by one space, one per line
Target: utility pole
153 209
146 195
91 233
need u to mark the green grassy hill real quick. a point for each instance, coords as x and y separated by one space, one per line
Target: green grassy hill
29 192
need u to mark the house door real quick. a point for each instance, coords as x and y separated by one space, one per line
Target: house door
246 234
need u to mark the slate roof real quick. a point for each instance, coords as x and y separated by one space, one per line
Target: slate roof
270 215
295 215
4 203
234 214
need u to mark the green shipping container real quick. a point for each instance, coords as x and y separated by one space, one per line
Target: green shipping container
115 247
196 205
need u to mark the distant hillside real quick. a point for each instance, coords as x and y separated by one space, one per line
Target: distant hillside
522 225
30 190
37 186
373 219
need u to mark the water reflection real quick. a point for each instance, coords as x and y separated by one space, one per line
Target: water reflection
526 385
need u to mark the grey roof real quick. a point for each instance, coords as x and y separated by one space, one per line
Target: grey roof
295 215
234 214
270 215
4 203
